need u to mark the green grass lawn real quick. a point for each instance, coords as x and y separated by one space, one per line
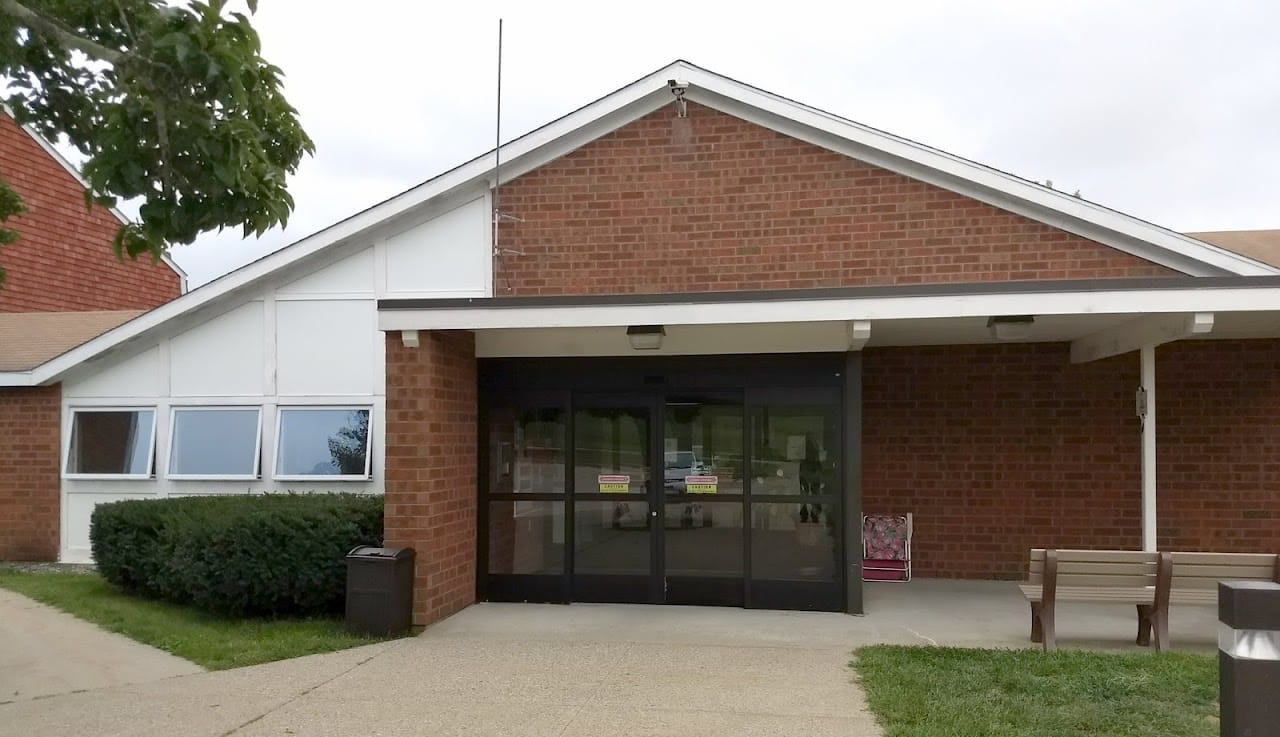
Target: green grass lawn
953 692
213 642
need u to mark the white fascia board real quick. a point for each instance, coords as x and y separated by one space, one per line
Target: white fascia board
983 183
16 378
1140 301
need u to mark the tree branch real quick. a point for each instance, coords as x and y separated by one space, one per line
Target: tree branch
39 23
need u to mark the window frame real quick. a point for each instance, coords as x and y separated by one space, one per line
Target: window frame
279 433
150 474
173 434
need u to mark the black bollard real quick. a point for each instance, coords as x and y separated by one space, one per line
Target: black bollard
1249 658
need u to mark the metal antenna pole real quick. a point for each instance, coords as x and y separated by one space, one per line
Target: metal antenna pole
497 147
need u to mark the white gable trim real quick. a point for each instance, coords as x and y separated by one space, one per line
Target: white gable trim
650 93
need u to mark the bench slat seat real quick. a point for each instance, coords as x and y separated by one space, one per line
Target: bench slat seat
1118 595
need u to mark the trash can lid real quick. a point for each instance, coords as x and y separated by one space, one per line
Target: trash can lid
370 551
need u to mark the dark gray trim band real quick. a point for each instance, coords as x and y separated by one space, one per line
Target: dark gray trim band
832 293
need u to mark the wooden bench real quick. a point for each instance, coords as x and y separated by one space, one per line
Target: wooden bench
1195 576
1104 576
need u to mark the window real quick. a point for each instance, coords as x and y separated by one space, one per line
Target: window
215 442
323 442
112 442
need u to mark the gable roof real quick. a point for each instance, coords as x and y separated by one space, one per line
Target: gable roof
651 92
74 171
1262 245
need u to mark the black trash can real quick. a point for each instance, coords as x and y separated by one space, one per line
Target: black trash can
379 590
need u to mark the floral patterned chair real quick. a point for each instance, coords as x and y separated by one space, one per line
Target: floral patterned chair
886 547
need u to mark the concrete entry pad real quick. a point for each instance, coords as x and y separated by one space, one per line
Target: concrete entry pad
44 651
589 669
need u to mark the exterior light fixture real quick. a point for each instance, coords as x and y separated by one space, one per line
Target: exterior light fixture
646 337
1010 327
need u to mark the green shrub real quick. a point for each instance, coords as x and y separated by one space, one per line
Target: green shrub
236 555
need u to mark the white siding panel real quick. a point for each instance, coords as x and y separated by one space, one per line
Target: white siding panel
78 508
139 376
351 276
445 256
222 357
326 347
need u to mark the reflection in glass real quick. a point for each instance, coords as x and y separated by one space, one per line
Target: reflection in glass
794 542
323 442
214 442
111 441
703 538
702 439
526 537
526 448
794 450
611 441
611 537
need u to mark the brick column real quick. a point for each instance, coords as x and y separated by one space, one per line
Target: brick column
431 466
30 488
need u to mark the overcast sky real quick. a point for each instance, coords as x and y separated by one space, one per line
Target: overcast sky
1167 110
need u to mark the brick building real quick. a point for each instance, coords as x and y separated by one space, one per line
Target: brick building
711 329
63 287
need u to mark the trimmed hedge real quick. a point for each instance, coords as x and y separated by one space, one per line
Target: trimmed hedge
236 555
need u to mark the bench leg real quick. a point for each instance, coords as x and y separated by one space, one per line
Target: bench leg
1160 622
1042 626
1050 630
1145 615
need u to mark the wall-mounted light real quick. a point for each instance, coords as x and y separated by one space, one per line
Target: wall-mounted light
646 337
1010 327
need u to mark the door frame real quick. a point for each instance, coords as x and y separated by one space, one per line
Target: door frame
508 382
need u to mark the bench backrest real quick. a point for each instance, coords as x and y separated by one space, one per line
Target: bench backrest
1205 570
1106 568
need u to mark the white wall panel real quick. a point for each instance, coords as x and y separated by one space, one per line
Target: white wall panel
352 275
326 347
76 511
448 255
139 376
223 357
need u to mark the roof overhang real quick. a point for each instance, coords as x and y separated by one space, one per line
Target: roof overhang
1099 317
916 302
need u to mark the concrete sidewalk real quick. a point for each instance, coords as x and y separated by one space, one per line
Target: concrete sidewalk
44 651
589 669
510 669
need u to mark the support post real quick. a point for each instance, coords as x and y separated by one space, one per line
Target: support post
1147 410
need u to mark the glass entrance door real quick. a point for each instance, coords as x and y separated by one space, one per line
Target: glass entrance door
703 549
614 535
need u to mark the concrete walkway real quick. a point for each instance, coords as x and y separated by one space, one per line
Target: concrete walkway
588 669
44 651
510 669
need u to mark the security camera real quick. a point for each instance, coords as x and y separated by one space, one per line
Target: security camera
678 86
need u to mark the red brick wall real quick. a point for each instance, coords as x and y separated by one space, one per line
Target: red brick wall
29 481
1000 448
431 466
63 261
1218 461
711 202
